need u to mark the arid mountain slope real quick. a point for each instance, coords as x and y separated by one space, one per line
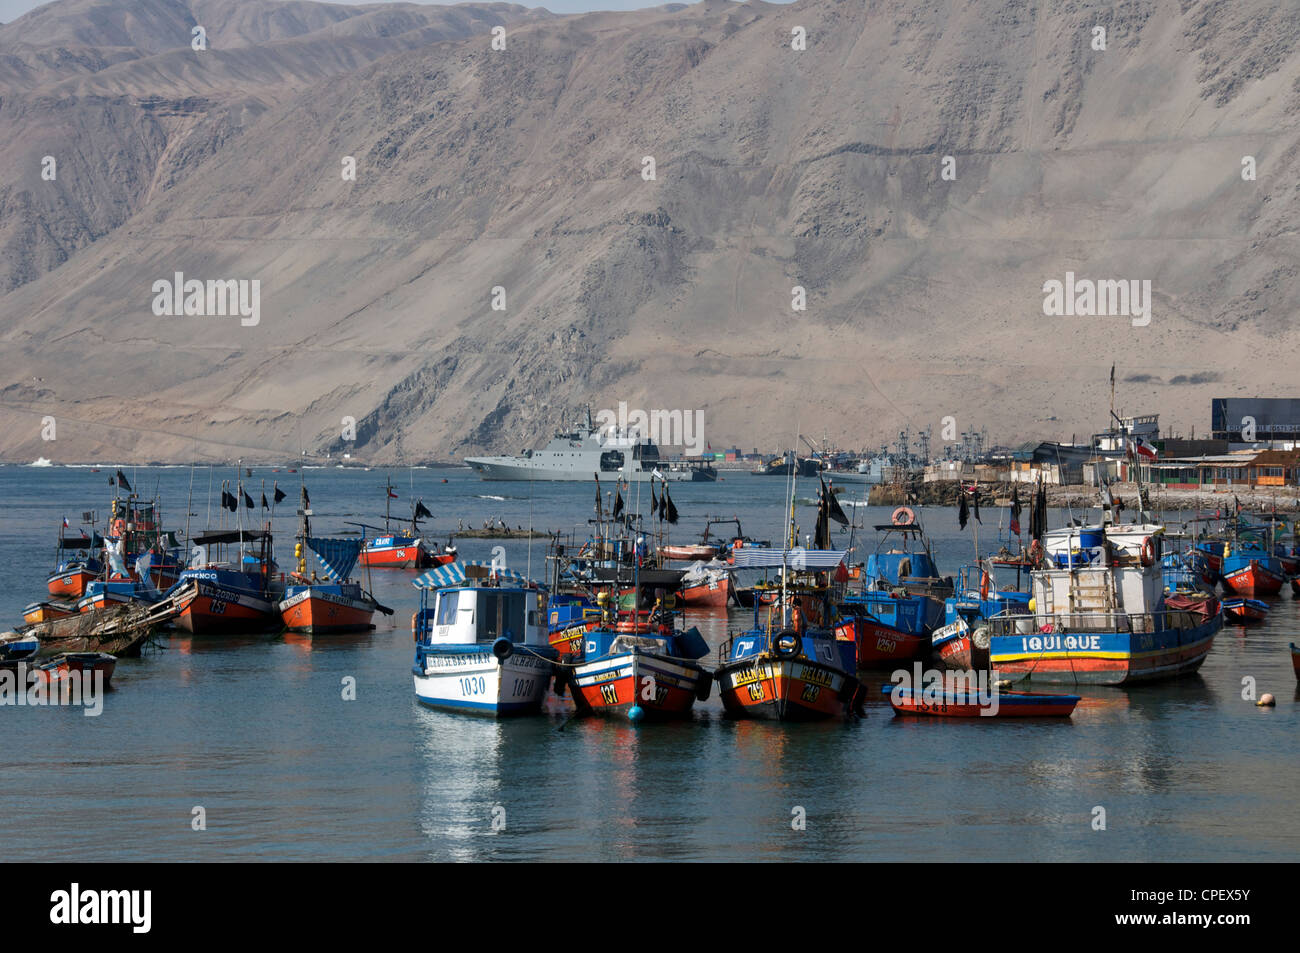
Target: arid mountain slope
522 170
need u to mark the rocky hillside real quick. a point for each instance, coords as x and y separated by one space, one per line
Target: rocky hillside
524 170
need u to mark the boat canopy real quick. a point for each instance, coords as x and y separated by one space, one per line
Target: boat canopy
757 557
228 536
337 556
454 574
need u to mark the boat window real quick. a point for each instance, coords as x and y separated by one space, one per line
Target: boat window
447 608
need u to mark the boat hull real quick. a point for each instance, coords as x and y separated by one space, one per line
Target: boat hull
470 679
81 664
881 645
1253 579
712 594
320 611
1103 658
45 611
616 684
390 554
1245 610
786 689
213 609
906 701
70 583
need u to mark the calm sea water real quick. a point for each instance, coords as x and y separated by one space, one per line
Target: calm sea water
256 732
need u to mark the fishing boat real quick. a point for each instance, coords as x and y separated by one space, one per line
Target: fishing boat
1248 575
878 643
70 578
103 593
480 642
401 550
1107 622
79 664
794 664
1245 610
968 703
689 552
50 609
638 665
337 605
234 597
962 643
705 587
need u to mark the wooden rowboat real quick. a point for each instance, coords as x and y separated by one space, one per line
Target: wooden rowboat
967 704
1245 610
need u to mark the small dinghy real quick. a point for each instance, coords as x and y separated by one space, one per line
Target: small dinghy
971 704
81 664
1245 610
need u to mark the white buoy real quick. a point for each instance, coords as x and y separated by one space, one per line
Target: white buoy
1266 701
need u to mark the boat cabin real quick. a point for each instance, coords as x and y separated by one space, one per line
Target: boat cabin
481 614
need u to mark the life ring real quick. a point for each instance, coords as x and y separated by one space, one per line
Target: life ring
119 527
786 643
1148 552
903 516
629 627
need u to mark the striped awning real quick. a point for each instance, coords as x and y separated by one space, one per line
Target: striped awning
337 556
453 574
754 557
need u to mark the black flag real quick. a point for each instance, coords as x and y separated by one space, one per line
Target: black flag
618 501
669 508
1015 509
279 494
598 510
975 495
265 505
306 500
654 500
121 481
228 501
833 509
962 511
248 500
422 511
822 532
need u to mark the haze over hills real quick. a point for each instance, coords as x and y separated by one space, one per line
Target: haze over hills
522 169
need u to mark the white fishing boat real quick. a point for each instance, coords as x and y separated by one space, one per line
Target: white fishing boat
481 641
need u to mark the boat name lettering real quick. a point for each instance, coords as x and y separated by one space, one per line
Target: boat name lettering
1049 643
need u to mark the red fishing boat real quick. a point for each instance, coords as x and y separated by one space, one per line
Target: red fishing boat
70 581
970 703
1254 579
640 672
1245 610
713 592
880 645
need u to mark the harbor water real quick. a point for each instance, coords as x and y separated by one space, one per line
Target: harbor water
257 737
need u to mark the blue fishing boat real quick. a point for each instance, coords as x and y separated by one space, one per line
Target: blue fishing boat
480 641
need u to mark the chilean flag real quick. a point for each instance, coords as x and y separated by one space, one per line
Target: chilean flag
1142 448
